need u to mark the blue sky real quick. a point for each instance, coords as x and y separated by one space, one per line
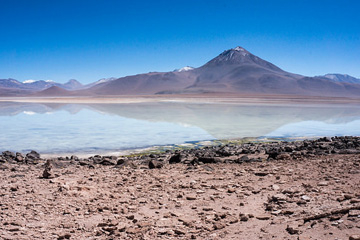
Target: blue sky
89 40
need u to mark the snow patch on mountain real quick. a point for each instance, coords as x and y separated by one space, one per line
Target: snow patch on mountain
29 81
184 69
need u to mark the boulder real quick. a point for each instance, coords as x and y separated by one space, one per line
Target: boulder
155 164
19 157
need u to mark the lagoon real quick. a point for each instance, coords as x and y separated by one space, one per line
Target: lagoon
65 128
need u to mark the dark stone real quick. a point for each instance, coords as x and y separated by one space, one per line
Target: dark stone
175 158
121 161
31 156
209 160
292 230
47 174
2 159
155 164
8 155
107 162
19 157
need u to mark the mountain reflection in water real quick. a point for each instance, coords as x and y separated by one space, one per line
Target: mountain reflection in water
92 128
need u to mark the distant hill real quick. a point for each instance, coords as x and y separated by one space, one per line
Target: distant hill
34 86
343 78
54 91
235 71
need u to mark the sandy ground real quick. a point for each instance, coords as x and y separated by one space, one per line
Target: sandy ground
313 198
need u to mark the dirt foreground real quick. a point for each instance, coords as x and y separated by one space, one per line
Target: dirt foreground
315 198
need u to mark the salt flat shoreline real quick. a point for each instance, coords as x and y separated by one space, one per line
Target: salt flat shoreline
285 190
202 98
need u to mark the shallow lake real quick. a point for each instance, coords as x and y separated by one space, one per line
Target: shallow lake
65 129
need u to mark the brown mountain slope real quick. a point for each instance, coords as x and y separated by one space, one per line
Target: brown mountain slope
54 91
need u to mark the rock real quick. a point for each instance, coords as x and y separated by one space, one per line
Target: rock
263 217
354 237
242 159
207 168
19 157
231 190
279 197
244 218
218 225
133 230
8 155
283 156
354 213
155 164
348 196
47 173
121 161
305 198
232 219
65 236
191 197
207 209
209 160
186 222
292 230
261 174
32 157
275 187
322 183
179 232
177 158
107 161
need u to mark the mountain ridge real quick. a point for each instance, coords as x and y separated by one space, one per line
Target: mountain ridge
235 71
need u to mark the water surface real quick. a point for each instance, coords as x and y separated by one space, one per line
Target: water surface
101 128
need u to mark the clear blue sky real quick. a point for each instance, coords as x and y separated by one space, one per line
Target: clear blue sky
89 40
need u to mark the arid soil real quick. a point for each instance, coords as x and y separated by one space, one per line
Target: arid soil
309 197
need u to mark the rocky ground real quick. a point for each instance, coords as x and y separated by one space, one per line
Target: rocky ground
297 190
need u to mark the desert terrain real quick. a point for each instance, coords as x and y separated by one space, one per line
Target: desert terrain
295 190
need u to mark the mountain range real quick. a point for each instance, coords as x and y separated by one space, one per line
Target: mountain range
234 71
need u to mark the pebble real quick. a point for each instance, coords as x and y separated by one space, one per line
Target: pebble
354 213
191 197
263 217
305 198
322 183
354 237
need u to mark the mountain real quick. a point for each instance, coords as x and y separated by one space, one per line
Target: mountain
344 78
53 91
10 83
184 69
143 84
234 71
100 81
238 71
72 84
37 85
